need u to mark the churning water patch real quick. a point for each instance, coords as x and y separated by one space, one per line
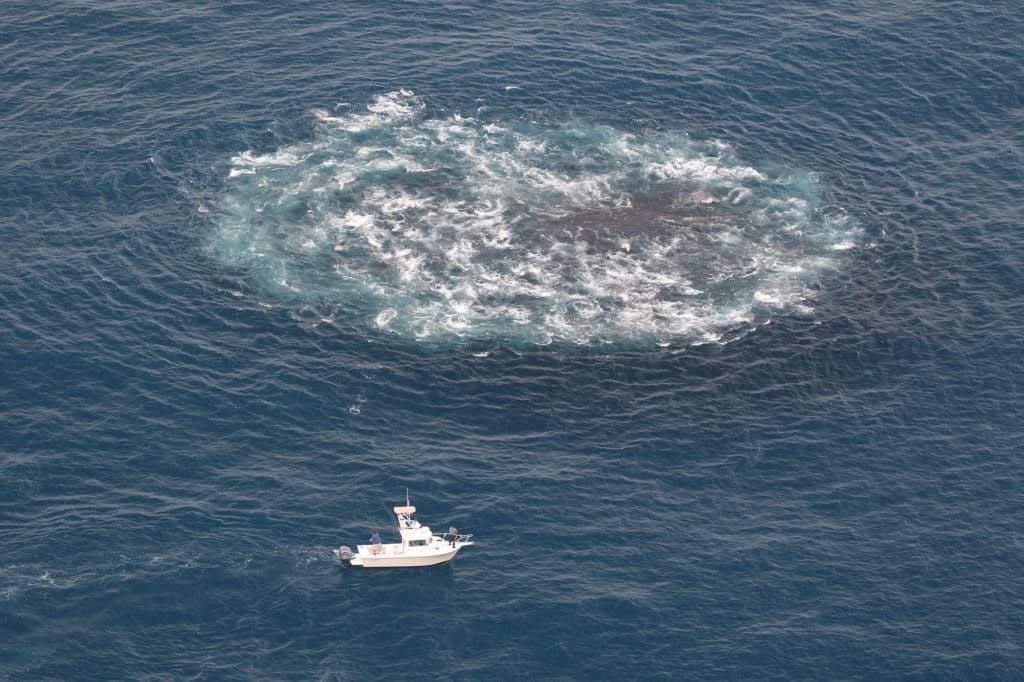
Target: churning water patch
451 228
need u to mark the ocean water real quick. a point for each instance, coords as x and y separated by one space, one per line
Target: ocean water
706 321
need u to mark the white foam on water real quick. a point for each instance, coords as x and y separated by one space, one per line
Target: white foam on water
451 228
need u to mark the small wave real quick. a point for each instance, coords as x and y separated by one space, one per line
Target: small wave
450 228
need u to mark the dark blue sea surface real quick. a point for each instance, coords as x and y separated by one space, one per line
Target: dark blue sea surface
706 319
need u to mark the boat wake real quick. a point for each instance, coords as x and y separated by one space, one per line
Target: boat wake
448 228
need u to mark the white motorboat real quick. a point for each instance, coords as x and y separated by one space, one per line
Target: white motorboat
419 547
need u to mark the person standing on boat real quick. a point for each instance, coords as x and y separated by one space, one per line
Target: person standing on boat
452 532
375 539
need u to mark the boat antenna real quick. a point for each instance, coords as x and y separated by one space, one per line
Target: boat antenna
406 497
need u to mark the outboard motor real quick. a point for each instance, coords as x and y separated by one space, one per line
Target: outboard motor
344 554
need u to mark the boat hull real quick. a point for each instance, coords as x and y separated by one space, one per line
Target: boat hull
389 558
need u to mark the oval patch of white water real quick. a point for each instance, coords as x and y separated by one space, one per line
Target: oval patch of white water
439 229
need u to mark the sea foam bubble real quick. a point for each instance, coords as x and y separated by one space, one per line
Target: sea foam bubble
445 228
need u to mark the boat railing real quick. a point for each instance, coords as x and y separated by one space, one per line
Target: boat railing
463 537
